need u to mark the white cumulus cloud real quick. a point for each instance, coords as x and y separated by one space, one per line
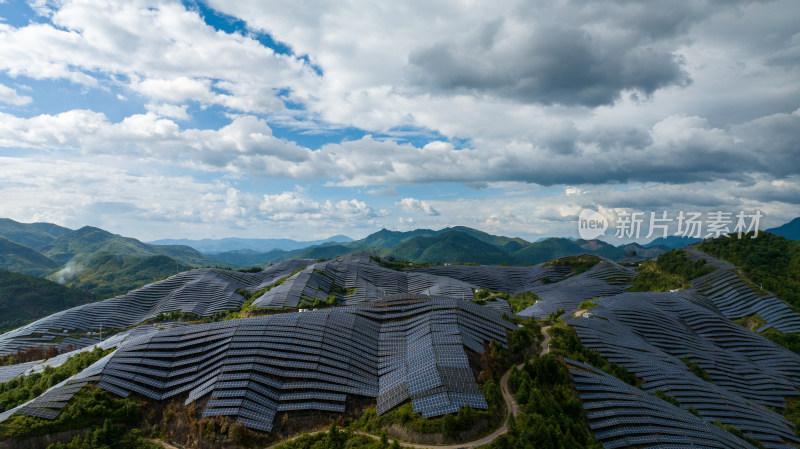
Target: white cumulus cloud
413 205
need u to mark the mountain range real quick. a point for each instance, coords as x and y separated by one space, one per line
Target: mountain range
789 230
233 244
90 258
107 264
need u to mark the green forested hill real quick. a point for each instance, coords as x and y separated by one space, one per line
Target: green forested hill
460 245
507 244
451 246
33 235
108 275
25 298
789 230
20 258
247 258
83 244
386 238
554 248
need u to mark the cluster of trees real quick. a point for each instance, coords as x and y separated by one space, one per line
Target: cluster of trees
792 412
449 425
89 407
22 389
578 264
336 439
518 302
565 342
496 359
696 369
185 426
522 301
33 354
551 415
108 436
788 341
672 270
676 262
735 431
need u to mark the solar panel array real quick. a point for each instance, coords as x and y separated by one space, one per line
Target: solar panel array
397 348
49 404
649 334
623 416
498 278
200 291
604 279
357 277
402 336
736 299
365 280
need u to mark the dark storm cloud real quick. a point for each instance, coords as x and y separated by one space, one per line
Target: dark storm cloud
578 53
574 53
554 65
775 140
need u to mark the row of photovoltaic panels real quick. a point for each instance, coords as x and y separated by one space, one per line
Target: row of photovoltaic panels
695 254
394 349
200 291
623 416
604 279
735 299
364 277
649 334
11 372
498 278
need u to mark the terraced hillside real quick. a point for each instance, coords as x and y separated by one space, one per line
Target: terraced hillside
624 416
735 298
654 334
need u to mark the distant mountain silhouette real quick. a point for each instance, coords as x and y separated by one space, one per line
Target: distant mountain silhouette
789 230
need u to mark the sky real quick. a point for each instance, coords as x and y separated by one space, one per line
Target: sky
208 119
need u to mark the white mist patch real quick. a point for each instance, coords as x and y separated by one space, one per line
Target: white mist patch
66 274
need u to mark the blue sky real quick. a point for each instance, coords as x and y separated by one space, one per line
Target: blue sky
167 119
